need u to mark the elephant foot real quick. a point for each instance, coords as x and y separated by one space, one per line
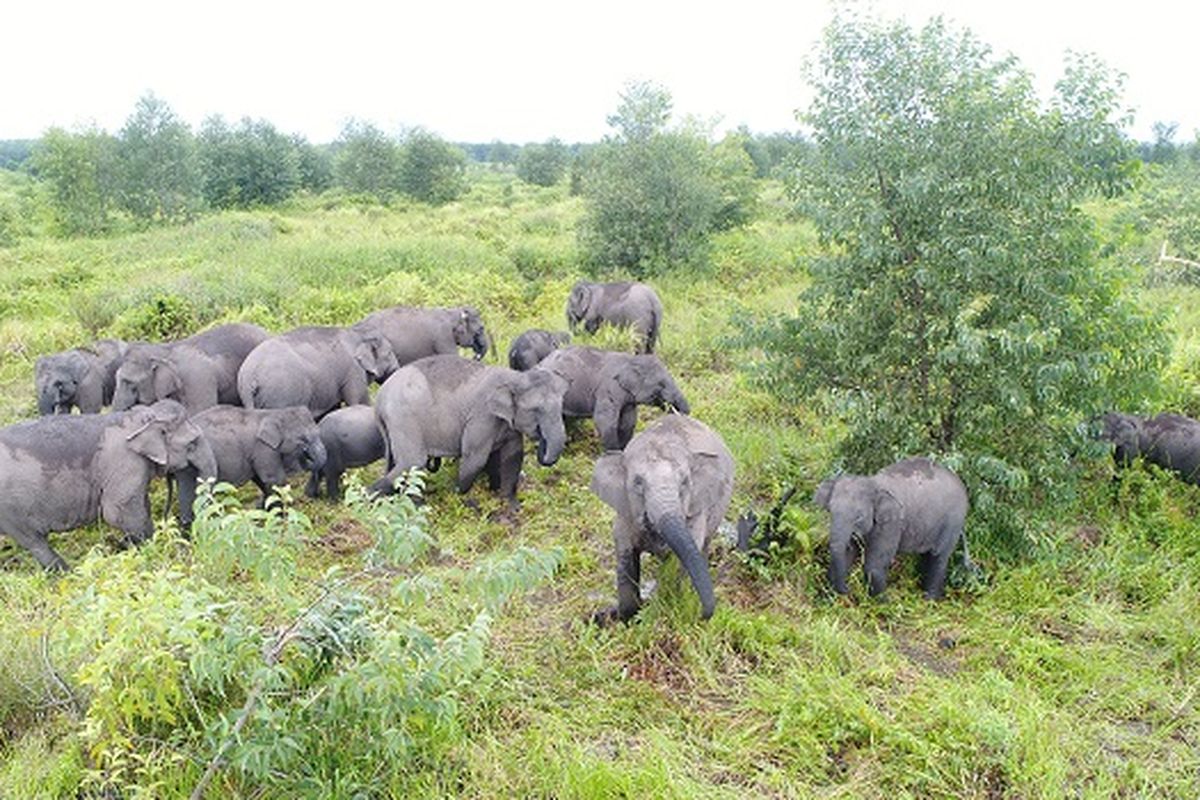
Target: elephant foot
604 617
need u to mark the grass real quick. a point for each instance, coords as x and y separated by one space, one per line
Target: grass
1073 674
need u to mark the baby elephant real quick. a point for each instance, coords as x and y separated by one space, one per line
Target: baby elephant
352 439
82 378
670 489
627 304
609 386
260 445
913 506
1169 440
533 345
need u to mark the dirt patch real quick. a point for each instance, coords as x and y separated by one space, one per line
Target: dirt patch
662 665
1089 536
345 536
933 658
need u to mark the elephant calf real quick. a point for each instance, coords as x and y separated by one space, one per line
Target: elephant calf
1169 440
450 406
58 473
913 506
609 386
82 378
626 304
533 345
670 489
260 445
352 438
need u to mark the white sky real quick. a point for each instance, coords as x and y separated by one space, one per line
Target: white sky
522 70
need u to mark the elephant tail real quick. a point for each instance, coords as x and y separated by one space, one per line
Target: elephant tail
652 330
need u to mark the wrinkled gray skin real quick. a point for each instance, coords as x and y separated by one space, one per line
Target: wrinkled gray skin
448 406
82 378
318 367
913 506
352 438
670 489
533 345
58 473
608 387
626 304
419 332
1169 440
199 371
260 445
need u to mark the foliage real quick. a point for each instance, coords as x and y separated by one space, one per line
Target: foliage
160 173
231 541
1169 206
655 196
962 310
431 169
366 161
82 172
543 164
251 165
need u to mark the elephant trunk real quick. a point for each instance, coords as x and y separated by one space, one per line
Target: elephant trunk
552 438
839 561
47 404
672 530
678 402
123 400
203 460
481 344
313 456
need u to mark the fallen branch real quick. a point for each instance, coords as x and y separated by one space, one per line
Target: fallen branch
1162 256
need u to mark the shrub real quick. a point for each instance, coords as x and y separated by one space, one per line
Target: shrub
431 169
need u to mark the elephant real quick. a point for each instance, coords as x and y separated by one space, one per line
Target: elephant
912 506
626 304
82 378
449 406
62 472
609 386
533 345
249 444
352 438
418 332
1171 441
670 489
199 371
321 367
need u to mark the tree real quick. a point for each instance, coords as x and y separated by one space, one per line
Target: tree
81 170
655 195
160 173
431 169
962 310
543 164
366 161
314 164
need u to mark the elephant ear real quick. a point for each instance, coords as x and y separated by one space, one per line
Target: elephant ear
888 510
712 481
502 401
270 431
824 493
366 354
166 379
608 483
77 365
150 441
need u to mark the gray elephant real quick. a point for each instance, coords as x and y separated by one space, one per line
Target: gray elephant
199 371
260 445
609 386
1171 441
59 473
533 345
82 378
626 304
913 506
352 438
448 406
418 332
318 367
670 489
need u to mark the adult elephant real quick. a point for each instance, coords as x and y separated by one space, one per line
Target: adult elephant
82 378
1171 441
260 445
449 406
609 386
416 333
199 371
627 304
60 472
670 489
528 349
913 506
321 367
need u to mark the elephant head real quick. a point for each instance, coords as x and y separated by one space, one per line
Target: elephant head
531 402
163 434
373 352
292 433
57 378
647 381
469 332
1127 434
145 379
860 508
578 304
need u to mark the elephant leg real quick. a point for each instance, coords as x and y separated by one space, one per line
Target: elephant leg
626 423
402 456
878 558
936 566
39 547
333 483
313 487
492 468
629 583
509 458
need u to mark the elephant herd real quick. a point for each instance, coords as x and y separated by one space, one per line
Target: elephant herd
239 405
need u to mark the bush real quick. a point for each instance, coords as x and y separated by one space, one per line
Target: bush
543 164
431 169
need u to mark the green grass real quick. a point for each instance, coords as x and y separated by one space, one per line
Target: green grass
1072 675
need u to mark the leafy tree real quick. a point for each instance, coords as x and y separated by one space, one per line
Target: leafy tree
502 153
655 195
314 164
962 310
431 169
81 170
217 151
543 164
160 173
366 161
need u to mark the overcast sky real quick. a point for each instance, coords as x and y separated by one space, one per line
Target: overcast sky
519 71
